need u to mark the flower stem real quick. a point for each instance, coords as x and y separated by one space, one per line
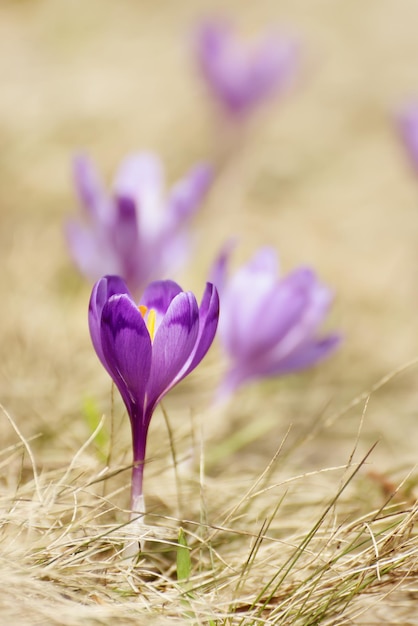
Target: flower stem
135 529
136 541
136 488
139 443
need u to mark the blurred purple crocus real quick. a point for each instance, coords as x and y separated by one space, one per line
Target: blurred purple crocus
133 232
241 78
407 122
269 325
148 349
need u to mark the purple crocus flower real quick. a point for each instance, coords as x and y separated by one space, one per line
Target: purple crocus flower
134 232
407 121
148 349
269 325
241 78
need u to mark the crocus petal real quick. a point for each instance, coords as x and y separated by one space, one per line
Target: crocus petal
211 37
273 65
92 250
186 195
174 250
233 379
173 344
407 119
126 346
159 295
127 244
306 356
140 177
222 63
241 77
270 326
219 270
104 289
140 174
304 327
294 309
246 297
264 260
208 323
134 232
89 187
83 247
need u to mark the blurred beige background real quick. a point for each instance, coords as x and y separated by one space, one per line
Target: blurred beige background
321 175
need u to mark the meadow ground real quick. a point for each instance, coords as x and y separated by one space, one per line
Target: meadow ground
297 499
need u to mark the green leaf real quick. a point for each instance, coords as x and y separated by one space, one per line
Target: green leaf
184 562
92 418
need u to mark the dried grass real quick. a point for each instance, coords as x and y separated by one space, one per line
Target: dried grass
280 553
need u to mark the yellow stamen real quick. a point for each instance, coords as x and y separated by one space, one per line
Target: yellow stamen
151 323
150 320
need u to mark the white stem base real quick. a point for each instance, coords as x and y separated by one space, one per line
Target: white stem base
135 530
138 507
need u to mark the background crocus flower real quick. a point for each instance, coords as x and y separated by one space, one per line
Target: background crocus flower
148 349
269 325
134 232
239 77
407 122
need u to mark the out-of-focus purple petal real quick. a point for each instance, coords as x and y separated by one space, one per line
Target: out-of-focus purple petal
126 346
234 378
86 248
212 37
223 64
270 326
306 325
173 344
407 120
82 246
174 251
187 194
278 313
246 297
296 307
312 352
219 271
242 373
135 232
89 187
126 242
140 177
104 289
239 77
276 59
264 260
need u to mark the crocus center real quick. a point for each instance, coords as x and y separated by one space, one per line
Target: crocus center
149 317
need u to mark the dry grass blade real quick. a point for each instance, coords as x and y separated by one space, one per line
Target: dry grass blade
28 450
272 587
